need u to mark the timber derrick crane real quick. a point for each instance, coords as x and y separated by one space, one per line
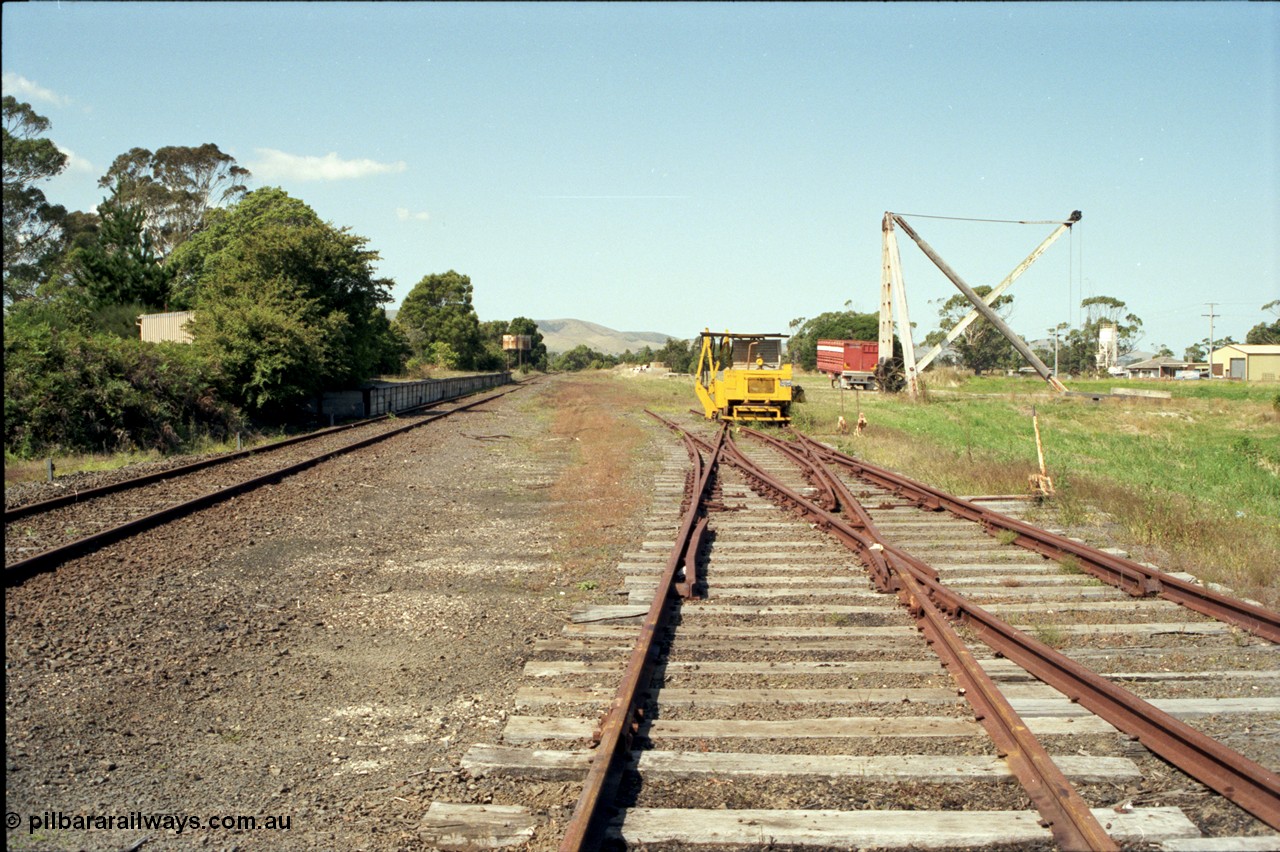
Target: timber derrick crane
893 296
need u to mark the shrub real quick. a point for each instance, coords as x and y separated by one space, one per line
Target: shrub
66 390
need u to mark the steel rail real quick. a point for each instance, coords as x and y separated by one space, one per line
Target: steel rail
1126 574
19 572
587 825
27 509
1063 810
1248 784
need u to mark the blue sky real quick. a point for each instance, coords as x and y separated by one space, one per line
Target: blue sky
666 167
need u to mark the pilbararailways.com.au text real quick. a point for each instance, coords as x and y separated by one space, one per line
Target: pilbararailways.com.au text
136 820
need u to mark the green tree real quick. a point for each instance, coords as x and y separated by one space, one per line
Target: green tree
119 267
32 226
980 346
438 310
176 187
1266 332
78 230
536 357
679 355
1107 309
286 302
496 358
1199 351
1078 354
582 357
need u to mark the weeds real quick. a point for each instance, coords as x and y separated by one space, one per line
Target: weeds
802 417
1051 635
1006 537
1194 481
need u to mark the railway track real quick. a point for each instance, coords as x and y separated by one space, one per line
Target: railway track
40 536
797 704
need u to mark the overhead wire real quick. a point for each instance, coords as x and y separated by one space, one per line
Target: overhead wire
998 221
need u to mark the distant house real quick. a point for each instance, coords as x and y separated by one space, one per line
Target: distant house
170 326
1162 367
1158 368
1134 357
1249 362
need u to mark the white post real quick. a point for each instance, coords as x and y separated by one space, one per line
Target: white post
886 290
904 320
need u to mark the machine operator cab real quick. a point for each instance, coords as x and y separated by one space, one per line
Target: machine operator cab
743 377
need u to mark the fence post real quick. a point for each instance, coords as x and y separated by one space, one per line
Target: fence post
239 445
48 467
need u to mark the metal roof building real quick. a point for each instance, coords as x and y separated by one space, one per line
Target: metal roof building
170 326
1250 362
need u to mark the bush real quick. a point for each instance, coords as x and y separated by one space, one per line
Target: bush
67 391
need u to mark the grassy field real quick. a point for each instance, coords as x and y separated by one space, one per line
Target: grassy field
1191 483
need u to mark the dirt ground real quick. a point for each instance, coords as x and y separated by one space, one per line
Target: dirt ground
321 652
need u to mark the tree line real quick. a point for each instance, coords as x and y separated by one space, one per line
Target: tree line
285 304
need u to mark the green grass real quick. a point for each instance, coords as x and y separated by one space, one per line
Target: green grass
33 470
1194 479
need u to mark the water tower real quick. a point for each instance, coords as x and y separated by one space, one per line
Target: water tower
1108 346
517 343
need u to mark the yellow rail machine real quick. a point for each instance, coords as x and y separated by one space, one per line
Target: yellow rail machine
742 377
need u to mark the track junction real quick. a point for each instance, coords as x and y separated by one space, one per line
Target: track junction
972 694
809 652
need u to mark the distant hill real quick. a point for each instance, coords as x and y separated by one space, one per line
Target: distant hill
561 335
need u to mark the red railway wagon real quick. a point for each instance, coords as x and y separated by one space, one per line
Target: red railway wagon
849 363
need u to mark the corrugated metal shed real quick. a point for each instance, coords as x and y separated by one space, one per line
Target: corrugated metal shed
170 326
1250 362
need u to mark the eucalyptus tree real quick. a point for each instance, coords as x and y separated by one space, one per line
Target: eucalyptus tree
31 224
981 346
176 187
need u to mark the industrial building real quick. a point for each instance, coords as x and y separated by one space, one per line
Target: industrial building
1249 362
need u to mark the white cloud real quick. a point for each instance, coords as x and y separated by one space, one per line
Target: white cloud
76 163
23 89
274 164
404 215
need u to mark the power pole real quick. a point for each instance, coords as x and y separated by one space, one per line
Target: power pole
1210 315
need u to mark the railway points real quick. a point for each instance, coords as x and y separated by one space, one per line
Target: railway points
791 693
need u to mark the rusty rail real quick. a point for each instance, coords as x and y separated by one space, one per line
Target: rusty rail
1133 577
47 560
1063 809
587 824
27 509
1248 784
